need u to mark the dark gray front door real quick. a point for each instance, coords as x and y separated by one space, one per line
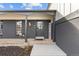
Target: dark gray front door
42 28
39 28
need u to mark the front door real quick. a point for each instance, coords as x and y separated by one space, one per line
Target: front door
40 28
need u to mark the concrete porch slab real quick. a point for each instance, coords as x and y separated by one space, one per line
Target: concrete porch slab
12 42
45 41
21 42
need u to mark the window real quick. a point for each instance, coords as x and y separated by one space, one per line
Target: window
40 25
19 29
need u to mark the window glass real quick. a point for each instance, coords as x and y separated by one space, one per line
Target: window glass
40 25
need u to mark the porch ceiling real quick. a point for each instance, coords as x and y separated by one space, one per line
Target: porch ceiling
22 15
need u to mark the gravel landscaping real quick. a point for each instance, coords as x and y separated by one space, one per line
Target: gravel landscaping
15 51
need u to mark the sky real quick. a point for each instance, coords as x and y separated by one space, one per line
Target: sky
23 6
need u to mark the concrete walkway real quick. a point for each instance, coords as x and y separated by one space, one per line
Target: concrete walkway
47 50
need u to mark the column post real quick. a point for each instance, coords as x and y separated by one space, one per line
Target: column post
50 31
26 29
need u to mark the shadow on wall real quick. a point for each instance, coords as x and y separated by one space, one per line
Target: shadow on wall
67 35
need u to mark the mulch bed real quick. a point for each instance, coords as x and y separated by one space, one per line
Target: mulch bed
15 51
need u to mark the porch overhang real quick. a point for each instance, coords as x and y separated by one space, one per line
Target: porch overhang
29 14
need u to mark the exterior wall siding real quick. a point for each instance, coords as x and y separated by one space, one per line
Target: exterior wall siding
67 34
